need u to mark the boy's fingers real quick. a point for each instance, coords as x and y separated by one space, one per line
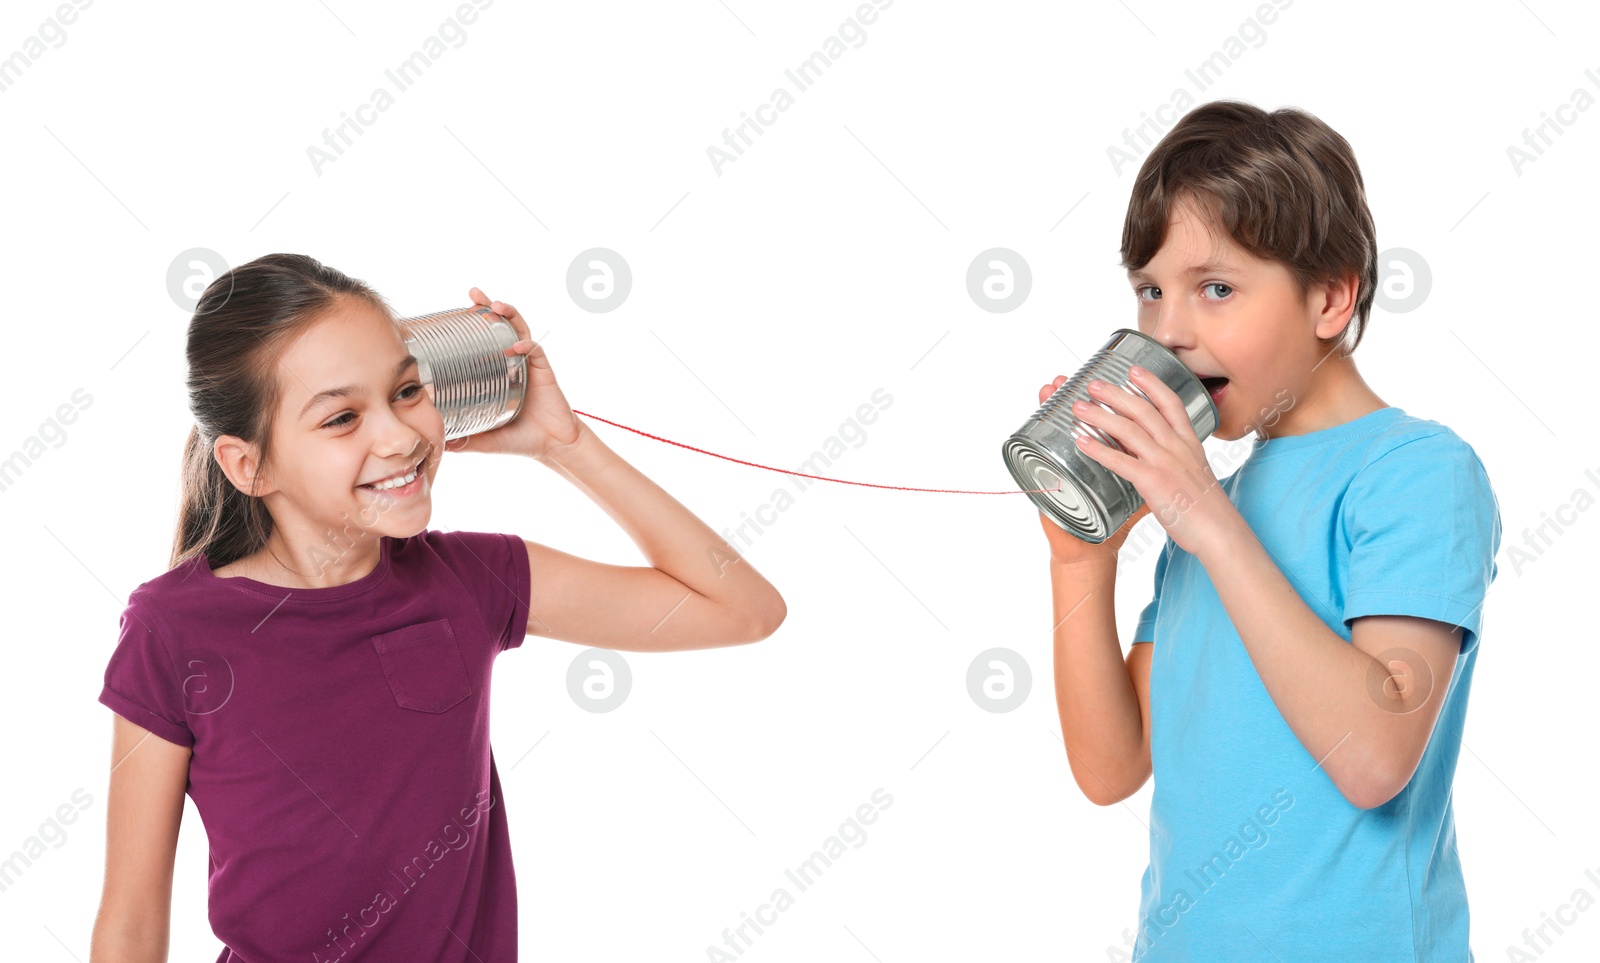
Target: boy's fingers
1050 389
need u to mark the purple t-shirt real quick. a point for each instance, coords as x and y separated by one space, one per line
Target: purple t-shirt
341 761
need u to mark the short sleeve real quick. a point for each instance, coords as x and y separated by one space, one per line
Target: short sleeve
142 681
1145 631
1423 528
493 567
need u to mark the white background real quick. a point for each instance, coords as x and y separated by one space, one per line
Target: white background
767 304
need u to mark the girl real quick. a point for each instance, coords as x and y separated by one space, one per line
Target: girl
315 664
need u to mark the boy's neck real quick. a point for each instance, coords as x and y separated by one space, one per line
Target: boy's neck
1337 395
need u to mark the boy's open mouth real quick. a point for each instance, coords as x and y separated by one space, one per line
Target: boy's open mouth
1214 386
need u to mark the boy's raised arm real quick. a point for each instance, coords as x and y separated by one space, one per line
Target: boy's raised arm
1366 720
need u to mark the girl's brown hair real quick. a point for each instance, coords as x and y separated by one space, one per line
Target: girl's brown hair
241 325
1284 185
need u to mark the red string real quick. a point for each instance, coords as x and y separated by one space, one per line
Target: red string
841 481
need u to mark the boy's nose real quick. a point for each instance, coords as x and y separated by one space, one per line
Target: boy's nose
1172 329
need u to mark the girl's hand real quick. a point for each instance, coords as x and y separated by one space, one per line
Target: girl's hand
1161 458
545 421
1066 548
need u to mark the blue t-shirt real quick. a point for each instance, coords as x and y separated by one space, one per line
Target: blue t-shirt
1254 853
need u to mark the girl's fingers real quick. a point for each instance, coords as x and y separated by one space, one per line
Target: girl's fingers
511 314
504 310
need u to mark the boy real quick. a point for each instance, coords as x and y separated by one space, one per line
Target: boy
1297 685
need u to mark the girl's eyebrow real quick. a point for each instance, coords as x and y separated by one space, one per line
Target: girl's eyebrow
344 391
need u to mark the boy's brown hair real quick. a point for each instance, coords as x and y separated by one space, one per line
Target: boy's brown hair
1284 185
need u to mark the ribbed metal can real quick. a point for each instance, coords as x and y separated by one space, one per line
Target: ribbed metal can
476 385
1083 497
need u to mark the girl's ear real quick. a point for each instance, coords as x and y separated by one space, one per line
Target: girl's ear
240 462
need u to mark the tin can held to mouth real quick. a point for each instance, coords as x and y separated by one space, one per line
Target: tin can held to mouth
476 385
1084 497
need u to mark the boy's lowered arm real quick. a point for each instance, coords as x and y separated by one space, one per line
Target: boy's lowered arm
1103 701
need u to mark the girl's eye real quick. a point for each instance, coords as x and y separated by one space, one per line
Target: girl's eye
1226 288
407 393
1155 292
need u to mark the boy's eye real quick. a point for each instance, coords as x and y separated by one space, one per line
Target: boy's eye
1226 288
1155 292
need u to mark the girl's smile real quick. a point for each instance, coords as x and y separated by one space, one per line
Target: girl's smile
401 484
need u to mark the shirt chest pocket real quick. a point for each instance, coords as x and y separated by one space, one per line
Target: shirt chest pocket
423 665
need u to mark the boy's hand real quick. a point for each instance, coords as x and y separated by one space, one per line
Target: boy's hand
1161 458
545 421
1068 549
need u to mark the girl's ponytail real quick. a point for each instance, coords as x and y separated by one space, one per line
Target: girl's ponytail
241 324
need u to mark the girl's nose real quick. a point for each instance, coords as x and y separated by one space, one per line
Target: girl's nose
403 444
398 438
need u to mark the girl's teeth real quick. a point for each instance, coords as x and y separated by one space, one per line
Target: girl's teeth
394 482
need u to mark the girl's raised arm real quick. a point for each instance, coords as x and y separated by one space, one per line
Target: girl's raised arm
144 807
698 592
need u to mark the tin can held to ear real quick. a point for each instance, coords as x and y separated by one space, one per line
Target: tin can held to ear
1085 498
476 385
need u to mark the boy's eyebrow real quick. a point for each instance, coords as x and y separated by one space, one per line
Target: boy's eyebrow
345 390
1207 267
